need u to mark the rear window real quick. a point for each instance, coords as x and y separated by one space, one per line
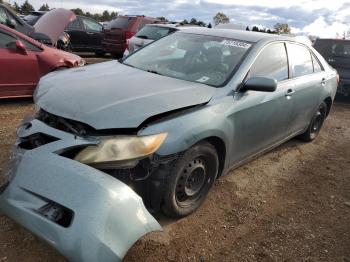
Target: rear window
31 19
154 32
121 22
333 48
301 60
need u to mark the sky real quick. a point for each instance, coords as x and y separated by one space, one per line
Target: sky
323 18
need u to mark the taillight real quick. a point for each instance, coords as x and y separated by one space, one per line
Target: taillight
129 34
127 44
338 79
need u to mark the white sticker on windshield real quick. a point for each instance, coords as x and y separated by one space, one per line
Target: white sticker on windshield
203 79
236 44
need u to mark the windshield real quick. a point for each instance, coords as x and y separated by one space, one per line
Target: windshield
333 48
197 58
31 19
154 32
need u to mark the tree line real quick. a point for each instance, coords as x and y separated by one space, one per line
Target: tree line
26 8
219 18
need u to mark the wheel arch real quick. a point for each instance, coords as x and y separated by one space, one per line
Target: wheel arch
220 147
329 103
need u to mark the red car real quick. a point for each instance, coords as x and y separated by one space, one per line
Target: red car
118 31
23 61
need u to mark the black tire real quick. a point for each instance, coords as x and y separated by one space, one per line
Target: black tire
190 179
116 55
316 124
100 53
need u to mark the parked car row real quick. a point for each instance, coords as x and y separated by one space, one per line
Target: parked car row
24 59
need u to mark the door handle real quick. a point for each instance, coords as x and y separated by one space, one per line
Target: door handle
290 92
323 82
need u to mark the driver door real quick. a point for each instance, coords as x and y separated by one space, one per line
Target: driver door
260 119
93 33
22 74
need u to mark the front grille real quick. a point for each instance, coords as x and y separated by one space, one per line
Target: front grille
63 124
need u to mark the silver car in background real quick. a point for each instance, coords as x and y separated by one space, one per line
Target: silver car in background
150 33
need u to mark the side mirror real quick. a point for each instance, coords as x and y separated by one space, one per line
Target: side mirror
261 84
20 47
11 23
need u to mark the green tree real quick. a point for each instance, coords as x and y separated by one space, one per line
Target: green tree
77 11
26 8
105 16
255 29
282 28
113 15
162 19
221 18
209 25
247 28
16 8
44 7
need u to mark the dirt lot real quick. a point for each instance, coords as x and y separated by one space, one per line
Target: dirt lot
292 204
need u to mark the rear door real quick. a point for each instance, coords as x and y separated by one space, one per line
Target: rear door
22 72
76 31
308 84
261 118
93 33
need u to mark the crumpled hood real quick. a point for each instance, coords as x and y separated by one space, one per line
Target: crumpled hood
113 95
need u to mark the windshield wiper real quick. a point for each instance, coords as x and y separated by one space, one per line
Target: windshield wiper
154 72
142 36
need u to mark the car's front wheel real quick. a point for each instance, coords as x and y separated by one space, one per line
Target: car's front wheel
316 124
190 179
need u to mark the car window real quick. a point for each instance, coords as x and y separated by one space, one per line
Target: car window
3 16
154 32
91 25
203 59
5 40
331 48
31 18
317 66
272 62
301 60
30 46
74 25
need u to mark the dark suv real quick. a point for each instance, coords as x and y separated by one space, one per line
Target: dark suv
86 35
337 54
119 30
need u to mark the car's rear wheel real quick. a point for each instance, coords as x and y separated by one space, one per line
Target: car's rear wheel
100 53
316 124
190 179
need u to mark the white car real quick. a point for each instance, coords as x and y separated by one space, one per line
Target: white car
150 33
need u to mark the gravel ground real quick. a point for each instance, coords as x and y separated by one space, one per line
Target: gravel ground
292 204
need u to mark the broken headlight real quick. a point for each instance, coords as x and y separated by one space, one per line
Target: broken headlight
120 148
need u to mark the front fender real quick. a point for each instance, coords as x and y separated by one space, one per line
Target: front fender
188 129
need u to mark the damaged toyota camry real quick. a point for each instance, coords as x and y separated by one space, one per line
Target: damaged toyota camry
110 144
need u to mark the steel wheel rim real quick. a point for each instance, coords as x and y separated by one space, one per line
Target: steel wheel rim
192 181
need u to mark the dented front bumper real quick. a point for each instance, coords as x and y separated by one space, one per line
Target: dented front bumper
104 216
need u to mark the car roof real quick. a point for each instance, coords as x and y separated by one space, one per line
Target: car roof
248 36
173 25
37 12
